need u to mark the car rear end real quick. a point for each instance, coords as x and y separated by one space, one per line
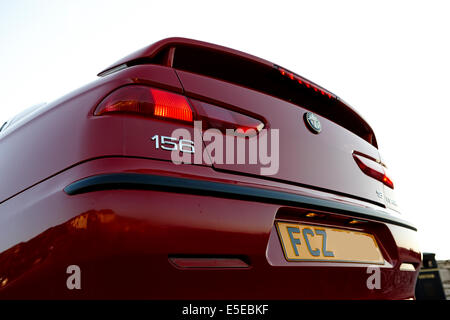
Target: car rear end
194 171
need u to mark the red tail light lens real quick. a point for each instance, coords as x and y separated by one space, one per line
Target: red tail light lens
222 119
145 101
170 105
156 103
373 169
387 181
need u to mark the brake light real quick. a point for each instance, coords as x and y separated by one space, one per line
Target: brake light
145 101
305 83
373 169
170 105
156 103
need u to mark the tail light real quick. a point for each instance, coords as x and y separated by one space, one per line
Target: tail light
373 169
155 103
145 101
222 119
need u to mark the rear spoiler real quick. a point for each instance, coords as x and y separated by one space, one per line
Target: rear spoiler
161 51
249 71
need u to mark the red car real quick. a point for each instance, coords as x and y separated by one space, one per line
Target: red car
194 171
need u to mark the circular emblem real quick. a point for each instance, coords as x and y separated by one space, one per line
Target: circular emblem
312 122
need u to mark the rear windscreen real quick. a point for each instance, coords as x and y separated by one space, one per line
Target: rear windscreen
266 79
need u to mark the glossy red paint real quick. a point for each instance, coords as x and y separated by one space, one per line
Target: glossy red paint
127 241
322 160
124 240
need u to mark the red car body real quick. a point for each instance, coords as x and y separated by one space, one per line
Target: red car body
93 191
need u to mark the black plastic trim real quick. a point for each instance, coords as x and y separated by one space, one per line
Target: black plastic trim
224 190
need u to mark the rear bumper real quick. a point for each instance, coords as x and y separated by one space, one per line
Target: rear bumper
128 232
138 181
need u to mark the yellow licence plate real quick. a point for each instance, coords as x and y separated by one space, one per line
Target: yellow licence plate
316 243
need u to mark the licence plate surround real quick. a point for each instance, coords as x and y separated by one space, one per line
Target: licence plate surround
305 242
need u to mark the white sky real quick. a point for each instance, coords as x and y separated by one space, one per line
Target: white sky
389 59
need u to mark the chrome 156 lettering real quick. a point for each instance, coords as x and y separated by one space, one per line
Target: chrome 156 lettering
173 144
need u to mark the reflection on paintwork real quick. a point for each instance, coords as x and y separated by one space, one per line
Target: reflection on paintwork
26 256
